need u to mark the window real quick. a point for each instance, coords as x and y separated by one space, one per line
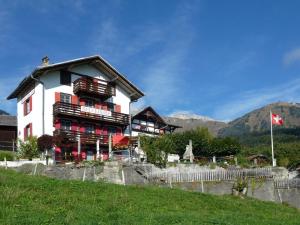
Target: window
89 129
65 77
136 121
65 98
111 130
27 106
89 103
28 131
66 125
111 106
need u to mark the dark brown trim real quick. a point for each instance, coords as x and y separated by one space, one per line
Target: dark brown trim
95 60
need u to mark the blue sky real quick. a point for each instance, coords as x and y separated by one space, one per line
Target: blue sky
215 58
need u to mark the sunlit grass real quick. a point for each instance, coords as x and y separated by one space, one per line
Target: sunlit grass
40 200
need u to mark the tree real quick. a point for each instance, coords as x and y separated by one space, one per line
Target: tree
28 148
157 149
45 142
224 146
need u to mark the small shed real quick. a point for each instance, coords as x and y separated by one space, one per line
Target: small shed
258 159
8 132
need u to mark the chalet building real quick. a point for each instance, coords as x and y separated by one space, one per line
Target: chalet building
148 122
80 102
8 132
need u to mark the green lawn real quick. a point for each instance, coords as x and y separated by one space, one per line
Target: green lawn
40 200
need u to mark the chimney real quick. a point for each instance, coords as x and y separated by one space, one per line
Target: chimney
45 61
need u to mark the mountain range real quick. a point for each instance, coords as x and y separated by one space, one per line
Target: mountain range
254 121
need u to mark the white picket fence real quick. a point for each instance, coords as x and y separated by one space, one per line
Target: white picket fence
287 183
9 164
212 175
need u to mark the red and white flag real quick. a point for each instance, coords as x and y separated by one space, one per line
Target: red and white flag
277 119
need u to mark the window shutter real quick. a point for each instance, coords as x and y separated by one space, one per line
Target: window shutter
24 108
74 100
119 131
57 96
30 103
25 133
98 130
118 108
82 102
74 126
82 128
105 131
98 105
30 126
104 106
57 124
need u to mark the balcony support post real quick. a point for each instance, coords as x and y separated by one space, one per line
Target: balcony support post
110 147
78 147
98 149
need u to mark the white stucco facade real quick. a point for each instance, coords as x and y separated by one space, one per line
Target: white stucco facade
52 85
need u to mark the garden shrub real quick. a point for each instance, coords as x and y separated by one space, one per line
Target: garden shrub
28 149
8 155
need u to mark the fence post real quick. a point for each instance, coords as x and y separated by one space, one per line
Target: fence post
35 167
83 177
123 177
5 163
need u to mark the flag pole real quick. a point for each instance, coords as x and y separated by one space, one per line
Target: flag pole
273 161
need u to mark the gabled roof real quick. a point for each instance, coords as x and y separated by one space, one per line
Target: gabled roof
7 120
149 108
159 118
96 60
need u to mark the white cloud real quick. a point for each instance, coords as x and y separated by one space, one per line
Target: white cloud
161 72
164 77
292 56
252 99
118 44
239 65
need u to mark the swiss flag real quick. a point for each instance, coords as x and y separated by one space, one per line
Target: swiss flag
277 119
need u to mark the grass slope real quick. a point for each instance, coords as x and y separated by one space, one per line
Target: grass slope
40 200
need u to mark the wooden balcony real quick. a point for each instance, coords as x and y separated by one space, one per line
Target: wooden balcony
67 109
90 87
85 138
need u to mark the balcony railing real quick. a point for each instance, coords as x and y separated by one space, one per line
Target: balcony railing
87 86
85 138
62 108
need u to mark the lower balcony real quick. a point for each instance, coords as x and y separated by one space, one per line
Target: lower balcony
62 108
85 138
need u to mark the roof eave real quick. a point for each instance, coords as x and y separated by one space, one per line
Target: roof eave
137 93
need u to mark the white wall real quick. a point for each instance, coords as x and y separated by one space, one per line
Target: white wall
135 134
34 116
52 85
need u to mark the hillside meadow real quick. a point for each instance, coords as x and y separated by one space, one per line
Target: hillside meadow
40 200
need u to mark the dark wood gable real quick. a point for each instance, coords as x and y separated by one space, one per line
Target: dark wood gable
149 121
148 114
